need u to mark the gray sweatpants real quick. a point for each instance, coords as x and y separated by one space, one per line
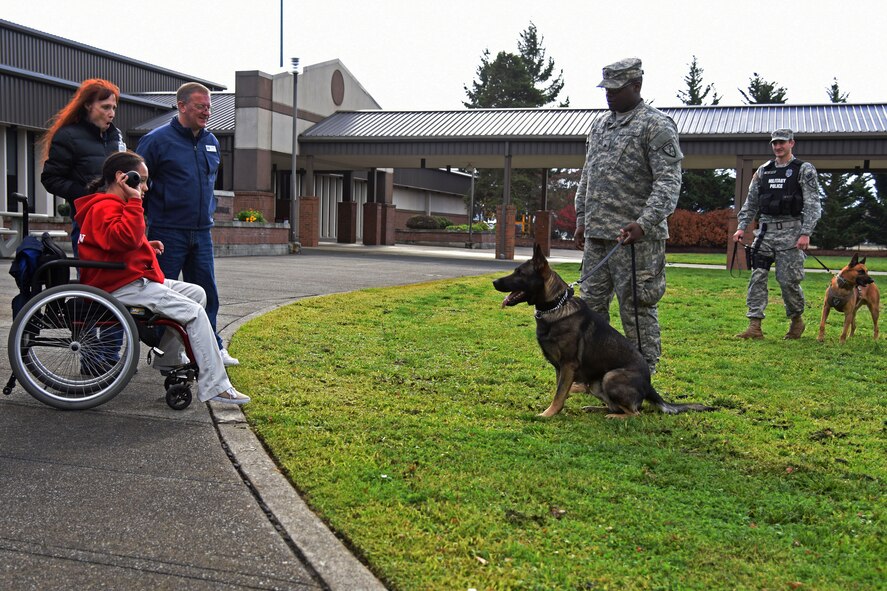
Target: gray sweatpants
184 302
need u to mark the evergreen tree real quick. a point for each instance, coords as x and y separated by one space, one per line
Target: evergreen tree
834 93
840 224
522 80
874 218
516 80
695 93
761 92
706 190
852 210
703 190
541 70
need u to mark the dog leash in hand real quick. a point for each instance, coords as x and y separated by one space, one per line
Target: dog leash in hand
597 266
821 264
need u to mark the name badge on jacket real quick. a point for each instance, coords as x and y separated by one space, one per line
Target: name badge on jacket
210 148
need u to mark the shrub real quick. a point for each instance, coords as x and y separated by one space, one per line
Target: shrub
428 222
251 215
705 230
475 227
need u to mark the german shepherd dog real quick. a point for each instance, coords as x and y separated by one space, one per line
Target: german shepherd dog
581 345
849 290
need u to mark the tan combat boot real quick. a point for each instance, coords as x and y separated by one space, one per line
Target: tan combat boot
753 331
796 329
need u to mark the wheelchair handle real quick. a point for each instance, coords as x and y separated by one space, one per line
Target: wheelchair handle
23 199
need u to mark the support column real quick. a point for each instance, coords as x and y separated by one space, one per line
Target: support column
372 211
505 232
542 231
372 224
745 170
505 214
346 226
309 221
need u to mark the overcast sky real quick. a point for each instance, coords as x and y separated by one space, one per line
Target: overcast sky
419 54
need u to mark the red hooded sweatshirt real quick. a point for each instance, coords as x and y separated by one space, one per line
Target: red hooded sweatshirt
114 230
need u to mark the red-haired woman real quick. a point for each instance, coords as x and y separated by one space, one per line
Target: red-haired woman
81 136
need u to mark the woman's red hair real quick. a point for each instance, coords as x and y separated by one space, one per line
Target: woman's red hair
90 91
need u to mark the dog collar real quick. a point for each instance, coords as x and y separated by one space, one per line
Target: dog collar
543 310
842 283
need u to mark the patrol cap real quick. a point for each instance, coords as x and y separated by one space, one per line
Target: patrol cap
621 73
783 134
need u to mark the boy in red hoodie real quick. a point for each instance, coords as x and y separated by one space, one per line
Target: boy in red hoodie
112 228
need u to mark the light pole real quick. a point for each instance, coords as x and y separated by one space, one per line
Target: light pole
294 176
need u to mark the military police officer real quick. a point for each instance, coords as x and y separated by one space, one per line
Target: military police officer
784 194
628 188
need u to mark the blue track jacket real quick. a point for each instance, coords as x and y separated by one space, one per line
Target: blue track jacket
182 169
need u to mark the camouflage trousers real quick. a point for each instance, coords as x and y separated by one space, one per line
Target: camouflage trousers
614 277
778 244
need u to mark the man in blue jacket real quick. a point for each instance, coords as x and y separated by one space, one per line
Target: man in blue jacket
184 158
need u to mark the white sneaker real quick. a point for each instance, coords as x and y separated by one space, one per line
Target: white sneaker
231 396
227 359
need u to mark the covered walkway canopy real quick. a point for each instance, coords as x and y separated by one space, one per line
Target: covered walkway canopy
832 136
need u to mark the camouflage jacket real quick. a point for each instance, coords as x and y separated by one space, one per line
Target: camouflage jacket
632 173
810 213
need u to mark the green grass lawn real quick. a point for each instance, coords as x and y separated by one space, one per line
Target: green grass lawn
407 417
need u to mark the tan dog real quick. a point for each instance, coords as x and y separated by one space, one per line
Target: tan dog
849 290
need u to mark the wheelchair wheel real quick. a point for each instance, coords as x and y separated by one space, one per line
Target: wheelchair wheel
73 347
178 396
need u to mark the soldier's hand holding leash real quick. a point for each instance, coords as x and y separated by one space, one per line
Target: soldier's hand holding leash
630 234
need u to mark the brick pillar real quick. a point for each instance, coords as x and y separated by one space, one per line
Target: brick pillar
309 221
505 232
346 227
542 231
372 224
389 215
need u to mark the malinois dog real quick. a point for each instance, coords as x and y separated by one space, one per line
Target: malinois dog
581 345
849 290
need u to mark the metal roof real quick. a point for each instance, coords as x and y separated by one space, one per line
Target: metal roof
750 120
832 136
221 121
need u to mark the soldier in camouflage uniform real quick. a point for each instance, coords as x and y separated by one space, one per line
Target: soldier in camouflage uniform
784 193
629 186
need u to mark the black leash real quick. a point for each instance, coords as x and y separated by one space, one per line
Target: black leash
821 264
733 258
634 293
597 266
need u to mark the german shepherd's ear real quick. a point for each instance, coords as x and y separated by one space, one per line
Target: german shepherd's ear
862 261
854 261
539 260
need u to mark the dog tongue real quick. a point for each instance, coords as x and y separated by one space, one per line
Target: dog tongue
509 297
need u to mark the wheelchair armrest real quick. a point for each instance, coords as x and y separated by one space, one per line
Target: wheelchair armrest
43 270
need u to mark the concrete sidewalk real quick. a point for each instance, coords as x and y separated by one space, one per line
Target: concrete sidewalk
134 495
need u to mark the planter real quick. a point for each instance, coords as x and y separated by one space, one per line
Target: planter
444 238
250 238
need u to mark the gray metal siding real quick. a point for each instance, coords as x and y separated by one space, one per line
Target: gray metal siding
36 51
31 103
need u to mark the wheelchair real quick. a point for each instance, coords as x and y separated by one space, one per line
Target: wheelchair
74 346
